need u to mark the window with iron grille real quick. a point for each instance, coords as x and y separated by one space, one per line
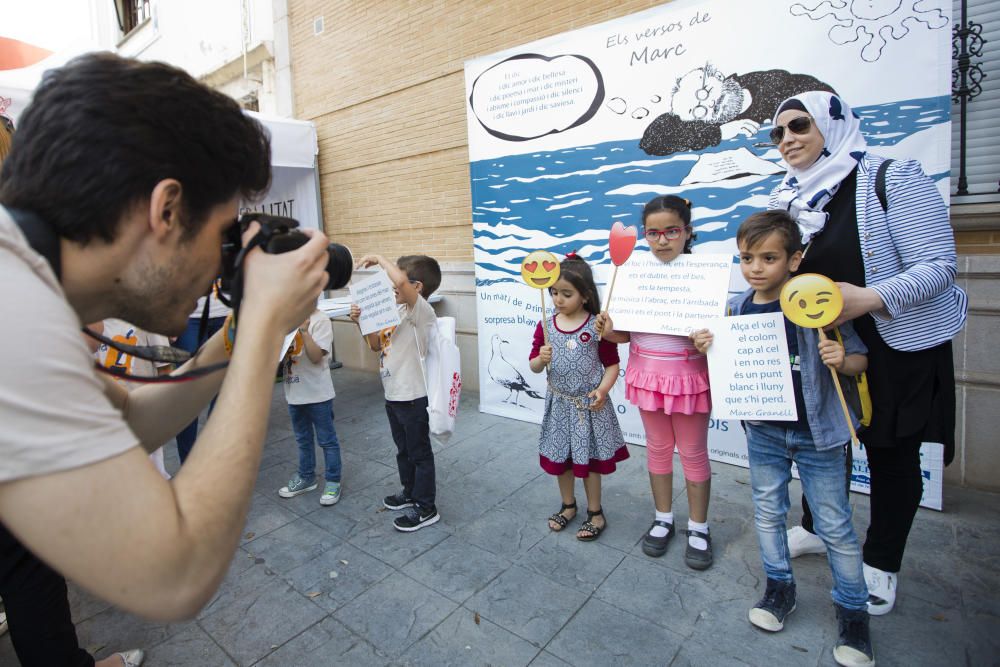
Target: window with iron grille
977 131
131 14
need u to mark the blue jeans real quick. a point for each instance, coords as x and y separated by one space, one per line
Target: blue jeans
189 341
771 451
305 417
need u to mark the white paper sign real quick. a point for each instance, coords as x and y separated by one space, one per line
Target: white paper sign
749 370
377 301
669 298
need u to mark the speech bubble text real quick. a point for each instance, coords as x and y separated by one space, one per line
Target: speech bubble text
529 95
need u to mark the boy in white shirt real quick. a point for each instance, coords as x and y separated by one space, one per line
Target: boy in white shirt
121 331
400 348
309 392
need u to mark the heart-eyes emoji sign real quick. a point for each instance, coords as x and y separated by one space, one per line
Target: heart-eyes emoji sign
540 269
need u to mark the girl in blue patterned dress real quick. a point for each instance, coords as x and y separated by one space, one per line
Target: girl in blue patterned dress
580 433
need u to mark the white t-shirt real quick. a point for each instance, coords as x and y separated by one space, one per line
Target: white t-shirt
215 307
121 331
54 415
306 382
399 361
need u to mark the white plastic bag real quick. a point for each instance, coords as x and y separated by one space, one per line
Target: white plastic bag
443 377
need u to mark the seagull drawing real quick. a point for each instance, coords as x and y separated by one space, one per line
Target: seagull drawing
504 374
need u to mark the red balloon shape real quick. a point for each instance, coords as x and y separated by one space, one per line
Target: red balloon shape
622 242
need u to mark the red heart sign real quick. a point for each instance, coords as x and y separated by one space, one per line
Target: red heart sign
621 242
548 266
531 266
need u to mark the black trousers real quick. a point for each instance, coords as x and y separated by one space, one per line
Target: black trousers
38 616
414 455
897 484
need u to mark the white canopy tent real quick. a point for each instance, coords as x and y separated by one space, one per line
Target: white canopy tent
294 188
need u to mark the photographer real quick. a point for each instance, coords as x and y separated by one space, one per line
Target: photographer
134 170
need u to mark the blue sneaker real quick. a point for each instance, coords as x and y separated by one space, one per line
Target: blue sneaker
331 494
778 602
296 487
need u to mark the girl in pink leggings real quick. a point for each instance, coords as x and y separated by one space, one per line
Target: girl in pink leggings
667 379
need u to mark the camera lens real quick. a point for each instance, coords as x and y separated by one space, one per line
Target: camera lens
339 265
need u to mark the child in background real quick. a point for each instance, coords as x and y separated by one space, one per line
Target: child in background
667 379
580 433
123 332
770 247
415 277
309 392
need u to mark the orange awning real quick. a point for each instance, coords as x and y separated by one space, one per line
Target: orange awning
15 54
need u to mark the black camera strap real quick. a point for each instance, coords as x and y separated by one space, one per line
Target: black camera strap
44 240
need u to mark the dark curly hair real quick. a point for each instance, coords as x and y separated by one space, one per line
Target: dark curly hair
103 130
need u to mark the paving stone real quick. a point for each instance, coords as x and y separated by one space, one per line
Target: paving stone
600 634
337 576
503 532
396 600
456 569
291 545
328 642
191 646
527 604
116 630
264 516
381 540
546 659
249 628
671 599
239 582
555 553
395 613
464 639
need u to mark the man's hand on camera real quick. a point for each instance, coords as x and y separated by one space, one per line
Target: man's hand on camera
282 289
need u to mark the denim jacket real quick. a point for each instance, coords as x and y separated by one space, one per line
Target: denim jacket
823 411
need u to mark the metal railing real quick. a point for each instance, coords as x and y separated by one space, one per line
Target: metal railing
967 42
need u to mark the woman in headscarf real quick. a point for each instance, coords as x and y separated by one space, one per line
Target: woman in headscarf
893 255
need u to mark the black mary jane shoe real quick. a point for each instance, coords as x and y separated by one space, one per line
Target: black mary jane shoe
657 546
698 559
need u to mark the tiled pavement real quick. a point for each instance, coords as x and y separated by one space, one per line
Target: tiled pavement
491 585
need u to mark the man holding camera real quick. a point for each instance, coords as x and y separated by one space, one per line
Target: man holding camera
122 181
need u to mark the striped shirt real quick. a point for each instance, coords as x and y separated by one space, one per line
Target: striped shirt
659 346
909 256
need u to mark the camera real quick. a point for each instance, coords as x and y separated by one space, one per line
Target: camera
277 235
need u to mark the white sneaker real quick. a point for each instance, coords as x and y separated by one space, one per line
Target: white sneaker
132 658
881 590
3 623
802 542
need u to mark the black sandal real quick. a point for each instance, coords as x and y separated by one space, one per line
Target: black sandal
560 519
594 530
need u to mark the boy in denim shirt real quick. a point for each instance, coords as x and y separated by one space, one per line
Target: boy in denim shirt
770 246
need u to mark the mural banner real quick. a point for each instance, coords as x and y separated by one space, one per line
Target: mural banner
572 133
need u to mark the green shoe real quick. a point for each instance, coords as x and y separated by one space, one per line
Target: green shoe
296 486
331 494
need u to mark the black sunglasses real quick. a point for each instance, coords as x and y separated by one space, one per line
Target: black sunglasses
798 125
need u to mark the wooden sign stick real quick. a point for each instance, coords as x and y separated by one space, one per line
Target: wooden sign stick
840 395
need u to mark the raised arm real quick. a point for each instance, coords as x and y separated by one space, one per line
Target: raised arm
160 549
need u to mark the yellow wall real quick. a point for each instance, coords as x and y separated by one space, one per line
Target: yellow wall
384 84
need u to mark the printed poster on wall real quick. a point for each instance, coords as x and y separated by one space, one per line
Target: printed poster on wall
572 133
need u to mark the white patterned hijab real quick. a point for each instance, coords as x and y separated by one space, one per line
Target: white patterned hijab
805 192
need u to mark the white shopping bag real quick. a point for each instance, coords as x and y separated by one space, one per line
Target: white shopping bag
442 377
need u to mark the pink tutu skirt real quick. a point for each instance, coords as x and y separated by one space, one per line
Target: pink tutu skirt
668 385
